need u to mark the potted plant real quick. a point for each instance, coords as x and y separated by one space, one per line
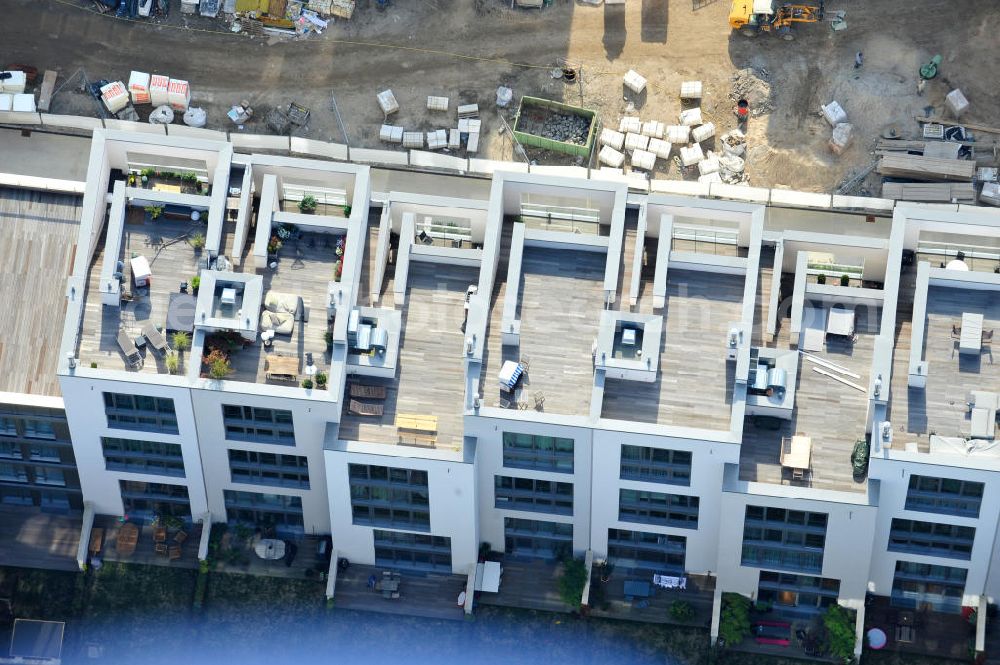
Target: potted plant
845 280
218 364
321 380
347 210
198 242
681 611
195 284
181 340
307 384
274 245
328 338
307 205
821 278
859 459
153 211
173 362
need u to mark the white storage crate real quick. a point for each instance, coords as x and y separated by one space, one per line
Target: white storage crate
644 160
956 102
691 90
468 110
653 129
138 87
178 94
612 139
390 134
15 84
6 101
115 96
708 165
703 132
472 145
23 103
678 133
413 139
387 102
636 141
630 124
710 177
611 157
659 148
691 117
691 155
834 113
158 85
454 138
933 130
437 139
634 81
437 103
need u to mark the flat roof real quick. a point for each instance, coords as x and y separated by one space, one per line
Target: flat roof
559 306
695 382
430 377
40 231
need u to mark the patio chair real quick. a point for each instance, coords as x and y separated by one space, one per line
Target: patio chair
160 534
160 548
175 552
956 331
539 400
798 474
127 345
363 409
366 391
155 337
525 362
987 337
180 537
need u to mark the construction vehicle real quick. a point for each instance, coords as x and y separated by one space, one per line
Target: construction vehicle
752 17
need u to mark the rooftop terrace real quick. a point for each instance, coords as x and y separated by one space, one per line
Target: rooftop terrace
430 379
559 306
940 408
827 410
35 271
694 385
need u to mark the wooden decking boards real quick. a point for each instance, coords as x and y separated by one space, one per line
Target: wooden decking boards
962 192
899 165
41 232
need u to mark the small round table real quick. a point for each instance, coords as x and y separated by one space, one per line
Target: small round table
876 638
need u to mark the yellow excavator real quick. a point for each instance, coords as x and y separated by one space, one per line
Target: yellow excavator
751 17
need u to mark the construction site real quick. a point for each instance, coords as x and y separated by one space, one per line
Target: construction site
826 94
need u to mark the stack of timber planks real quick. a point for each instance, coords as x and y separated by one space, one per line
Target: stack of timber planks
945 192
915 167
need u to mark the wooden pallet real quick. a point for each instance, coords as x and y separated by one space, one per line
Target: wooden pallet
946 192
901 165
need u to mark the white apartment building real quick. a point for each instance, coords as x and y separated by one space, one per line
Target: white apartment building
675 385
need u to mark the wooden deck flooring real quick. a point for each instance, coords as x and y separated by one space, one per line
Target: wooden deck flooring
561 299
305 268
695 381
940 408
424 595
172 261
34 539
830 413
41 232
431 376
528 583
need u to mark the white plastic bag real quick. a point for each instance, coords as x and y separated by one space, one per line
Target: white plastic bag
504 96
161 115
195 117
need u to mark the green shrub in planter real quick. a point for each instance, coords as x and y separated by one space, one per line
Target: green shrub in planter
681 610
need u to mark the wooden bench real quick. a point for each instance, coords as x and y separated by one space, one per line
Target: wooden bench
415 439
369 392
282 367
417 423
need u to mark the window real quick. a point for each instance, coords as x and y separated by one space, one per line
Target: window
654 552
658 508
247 466
155 498
536 538
932 539
806 593
43 453
946 496
388 496
13 473
258 425
45 475
656 465
784 539
38 429
137 456
281 511
417 551
10 450
544 453
922 585
543 496
8 427
140 412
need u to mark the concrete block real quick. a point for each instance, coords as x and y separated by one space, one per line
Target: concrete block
71 121
432 160
684 187
129 126
489 166
196 133
863 202
16 118
787 197
566 171
370 156
314 148
258 141
723 190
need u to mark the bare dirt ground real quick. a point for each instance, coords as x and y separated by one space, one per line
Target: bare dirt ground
466 48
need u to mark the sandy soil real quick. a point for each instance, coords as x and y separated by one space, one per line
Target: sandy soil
466 48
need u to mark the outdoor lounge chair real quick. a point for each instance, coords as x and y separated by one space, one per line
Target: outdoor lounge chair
175 552
369 392
362 409
127 345
155 337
